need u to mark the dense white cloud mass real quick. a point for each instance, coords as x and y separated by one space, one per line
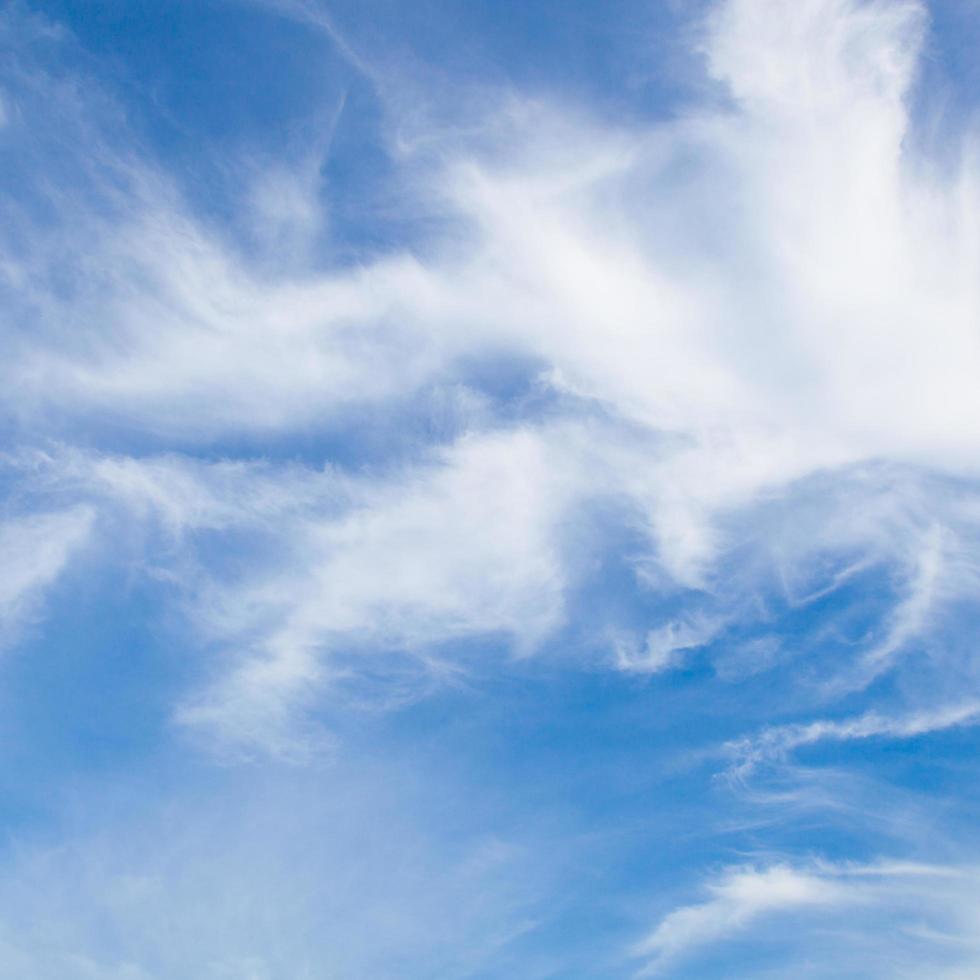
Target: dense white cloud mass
750 331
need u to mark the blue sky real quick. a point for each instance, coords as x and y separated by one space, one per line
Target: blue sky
489 489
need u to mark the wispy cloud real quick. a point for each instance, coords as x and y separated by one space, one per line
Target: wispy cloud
724 354
776 744
34 550
929 911
333 872
737 900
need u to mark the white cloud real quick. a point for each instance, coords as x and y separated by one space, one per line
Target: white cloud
736 901
835 284
823 919
34 550
665 647
824 58
338 566
465 546
777 743
772 286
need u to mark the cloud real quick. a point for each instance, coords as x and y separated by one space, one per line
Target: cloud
825 58
929 912
715 312
34 550
554 266
666 646
466 546
337 567
619 302
314 15
736 901
343 871
777 743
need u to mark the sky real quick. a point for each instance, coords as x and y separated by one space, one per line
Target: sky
489 489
